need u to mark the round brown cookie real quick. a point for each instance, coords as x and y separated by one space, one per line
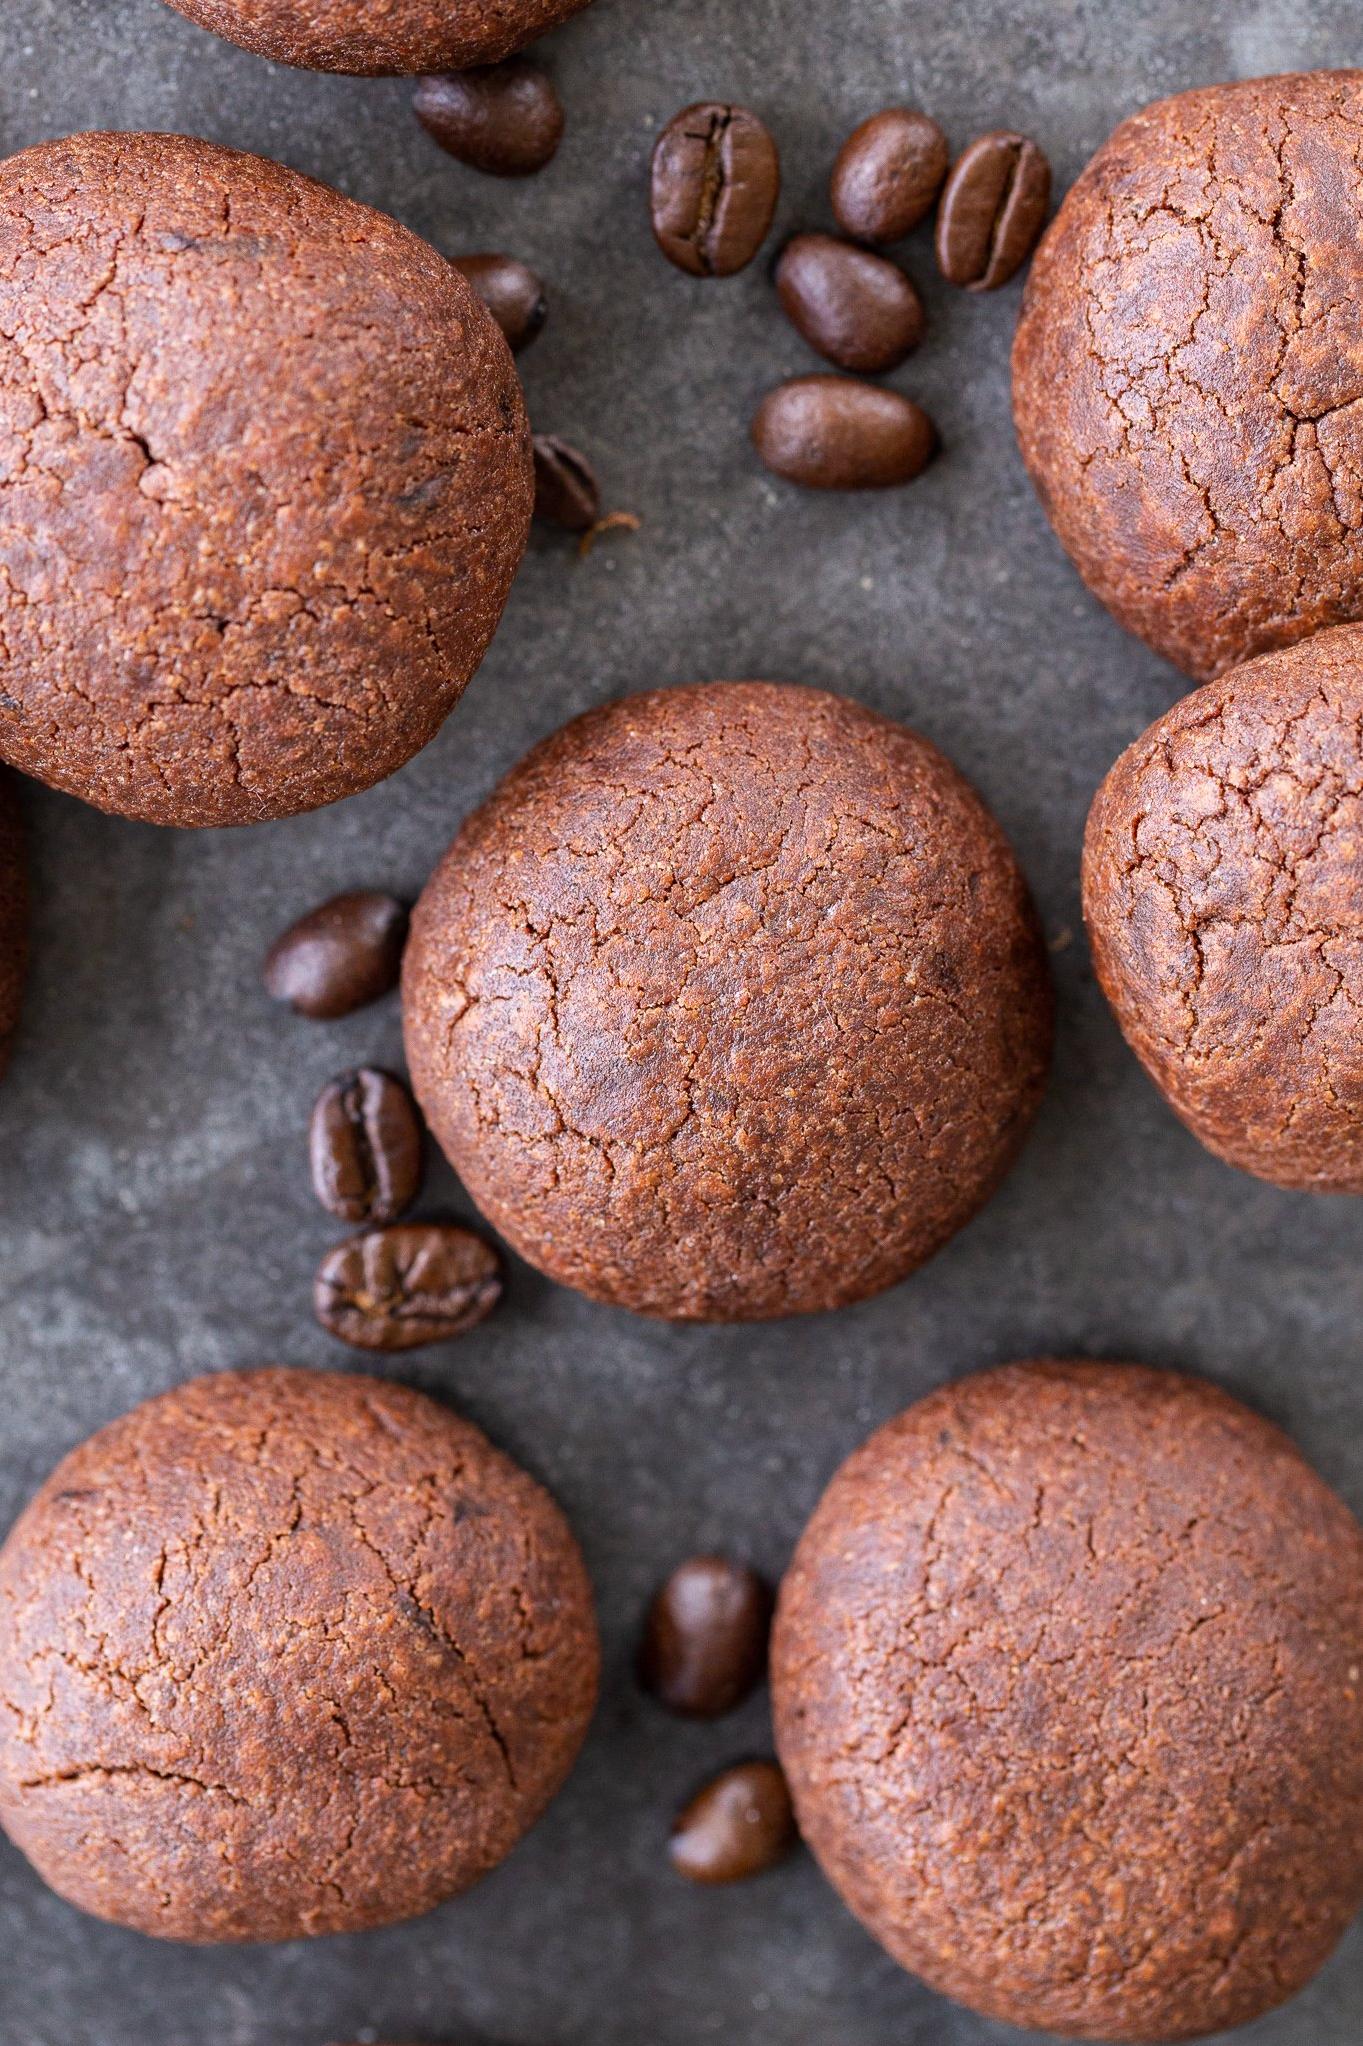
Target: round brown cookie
266 481
380 36
1188 370
1223 891
285 1653
729 1003
1068 1683
13 916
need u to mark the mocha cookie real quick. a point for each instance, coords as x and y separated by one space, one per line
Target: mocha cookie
1067 1682
1188 371
403 36
285 1653
1222 869
13 917
265 481
729 1003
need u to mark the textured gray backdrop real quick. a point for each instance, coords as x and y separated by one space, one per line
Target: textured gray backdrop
155 1218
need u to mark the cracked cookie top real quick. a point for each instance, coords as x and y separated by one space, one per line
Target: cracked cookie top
264 481
13 916
1223 892
380 36
729 1003
285 1653
1068 1683
1188 369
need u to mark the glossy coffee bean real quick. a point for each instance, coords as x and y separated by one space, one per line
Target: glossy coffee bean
888 174
856 309
505 119
738 1826
705 1639
834 433
992 211
511 292
716 180
340 956
395 1289
365 1147
566 490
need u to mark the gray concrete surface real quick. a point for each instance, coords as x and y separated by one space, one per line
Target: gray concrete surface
155 1217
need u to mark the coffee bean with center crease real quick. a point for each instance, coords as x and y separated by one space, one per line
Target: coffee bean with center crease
992 211
511 292
739 1825
566 490
505 119
395 1289
888 173
716 180
340 956
365 1147
857 309
705 1638
835 433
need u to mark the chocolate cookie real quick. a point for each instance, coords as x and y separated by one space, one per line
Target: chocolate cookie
285 1653
1188 371
1223 890
729 1003
1068 1682
13 917
266 481
380 36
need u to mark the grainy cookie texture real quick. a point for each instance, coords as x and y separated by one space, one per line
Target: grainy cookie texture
285 1653
729 1003
378 36
1223 891
1068 1681
13 916
1188 371
264 481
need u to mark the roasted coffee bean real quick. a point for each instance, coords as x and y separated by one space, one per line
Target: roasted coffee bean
992 211
511 292
705 1639
566 490
365 1147
716 180
856 309
888 173
340 956
739 1825
395 1289
506 118
833 433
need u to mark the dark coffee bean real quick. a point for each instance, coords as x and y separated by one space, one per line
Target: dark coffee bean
833 433
395 1289
705 1639
511 292
992 211
857 309
505 118
739 1825
365 1147
716 180
566 489
339 956
888 173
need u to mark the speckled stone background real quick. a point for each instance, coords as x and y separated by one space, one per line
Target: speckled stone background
155 1217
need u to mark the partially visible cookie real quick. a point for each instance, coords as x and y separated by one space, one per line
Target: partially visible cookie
1068 1684
1223 892
380 36
13 916
285 1653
